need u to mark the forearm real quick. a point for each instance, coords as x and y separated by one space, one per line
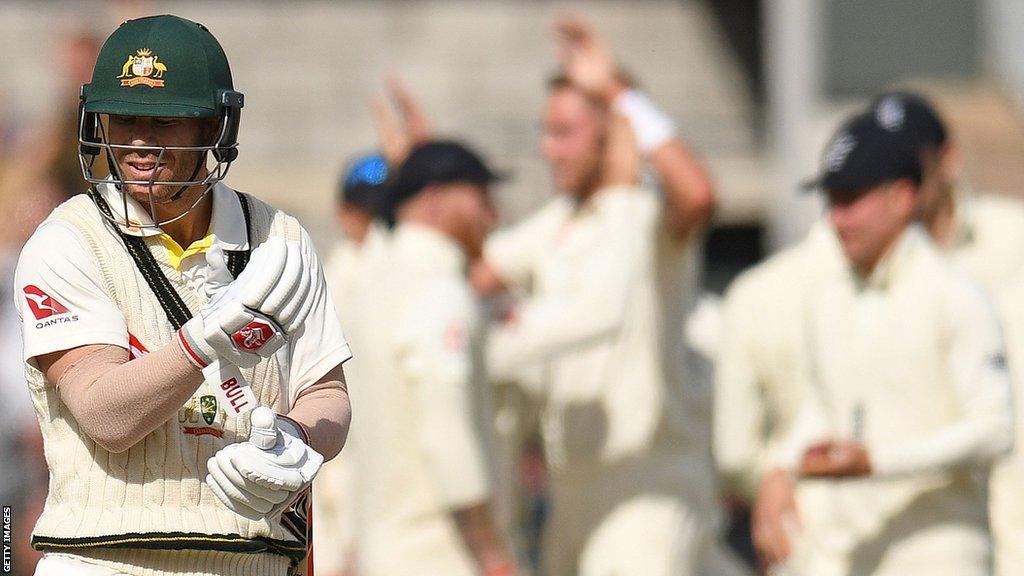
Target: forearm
978 440
689 193
739 413
450 445
483 540
325 413
118 402
545 327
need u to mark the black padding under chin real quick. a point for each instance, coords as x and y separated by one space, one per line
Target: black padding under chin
226 150
88 122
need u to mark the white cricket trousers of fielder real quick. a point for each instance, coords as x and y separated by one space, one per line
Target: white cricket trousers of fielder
648 535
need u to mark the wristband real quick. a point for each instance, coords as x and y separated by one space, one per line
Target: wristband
651 126
192 351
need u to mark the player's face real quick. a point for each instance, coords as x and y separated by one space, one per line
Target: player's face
472 215
355 222
868 222
573 139
142 164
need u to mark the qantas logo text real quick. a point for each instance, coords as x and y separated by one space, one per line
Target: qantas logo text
45 308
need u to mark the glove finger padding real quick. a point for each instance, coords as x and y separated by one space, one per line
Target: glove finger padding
275 472
218 277
287 285
235 506
245 488
219 477
263 272
293 313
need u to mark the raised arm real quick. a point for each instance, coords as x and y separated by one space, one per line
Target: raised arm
687 187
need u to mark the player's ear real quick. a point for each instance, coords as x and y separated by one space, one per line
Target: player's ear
950 161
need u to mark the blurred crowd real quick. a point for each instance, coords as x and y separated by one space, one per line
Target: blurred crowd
536 399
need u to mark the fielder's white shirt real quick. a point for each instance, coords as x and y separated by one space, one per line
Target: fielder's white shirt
60 297
988 242
418 446
761 366
348 269
909 361
608 293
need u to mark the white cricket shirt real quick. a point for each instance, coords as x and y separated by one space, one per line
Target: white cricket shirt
60 297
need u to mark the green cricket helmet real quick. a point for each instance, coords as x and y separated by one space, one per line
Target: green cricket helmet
161 66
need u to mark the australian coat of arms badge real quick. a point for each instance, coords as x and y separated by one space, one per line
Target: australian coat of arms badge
143 68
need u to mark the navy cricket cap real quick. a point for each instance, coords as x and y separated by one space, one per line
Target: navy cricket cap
363 182
435 162
912 116
862 155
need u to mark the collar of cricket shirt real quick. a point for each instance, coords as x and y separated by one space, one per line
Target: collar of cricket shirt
429 246
894 261
963 218
227 222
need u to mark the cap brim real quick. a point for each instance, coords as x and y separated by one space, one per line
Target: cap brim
156 109
812 184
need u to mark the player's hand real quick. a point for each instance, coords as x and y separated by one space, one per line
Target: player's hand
396 137
622 160
484 279
586 59
248 319
259 478
836 459
774 517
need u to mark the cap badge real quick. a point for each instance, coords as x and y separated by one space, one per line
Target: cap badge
839 151
142 68
890 114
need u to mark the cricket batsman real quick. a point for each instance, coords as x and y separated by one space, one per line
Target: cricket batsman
166 319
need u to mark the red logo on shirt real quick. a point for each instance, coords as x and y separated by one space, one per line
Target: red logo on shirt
135 348
42 304
253 336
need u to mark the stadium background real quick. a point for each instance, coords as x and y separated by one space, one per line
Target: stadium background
756 88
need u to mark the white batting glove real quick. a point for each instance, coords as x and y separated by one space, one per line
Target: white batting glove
259 478
248 319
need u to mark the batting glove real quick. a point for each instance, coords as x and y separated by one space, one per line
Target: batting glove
247 319
259 478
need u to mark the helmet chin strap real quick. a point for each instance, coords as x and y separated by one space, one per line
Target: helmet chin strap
115 170
199 164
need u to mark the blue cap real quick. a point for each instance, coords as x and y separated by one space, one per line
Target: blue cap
364 181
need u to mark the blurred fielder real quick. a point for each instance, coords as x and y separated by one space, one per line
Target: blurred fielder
420 448
761 366
605 264
347 271
908 390
162 310
982 233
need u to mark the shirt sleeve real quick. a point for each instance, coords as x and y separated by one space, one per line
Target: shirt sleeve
513 252
321 344
981 384
546 325
60 297
435 356
739 415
